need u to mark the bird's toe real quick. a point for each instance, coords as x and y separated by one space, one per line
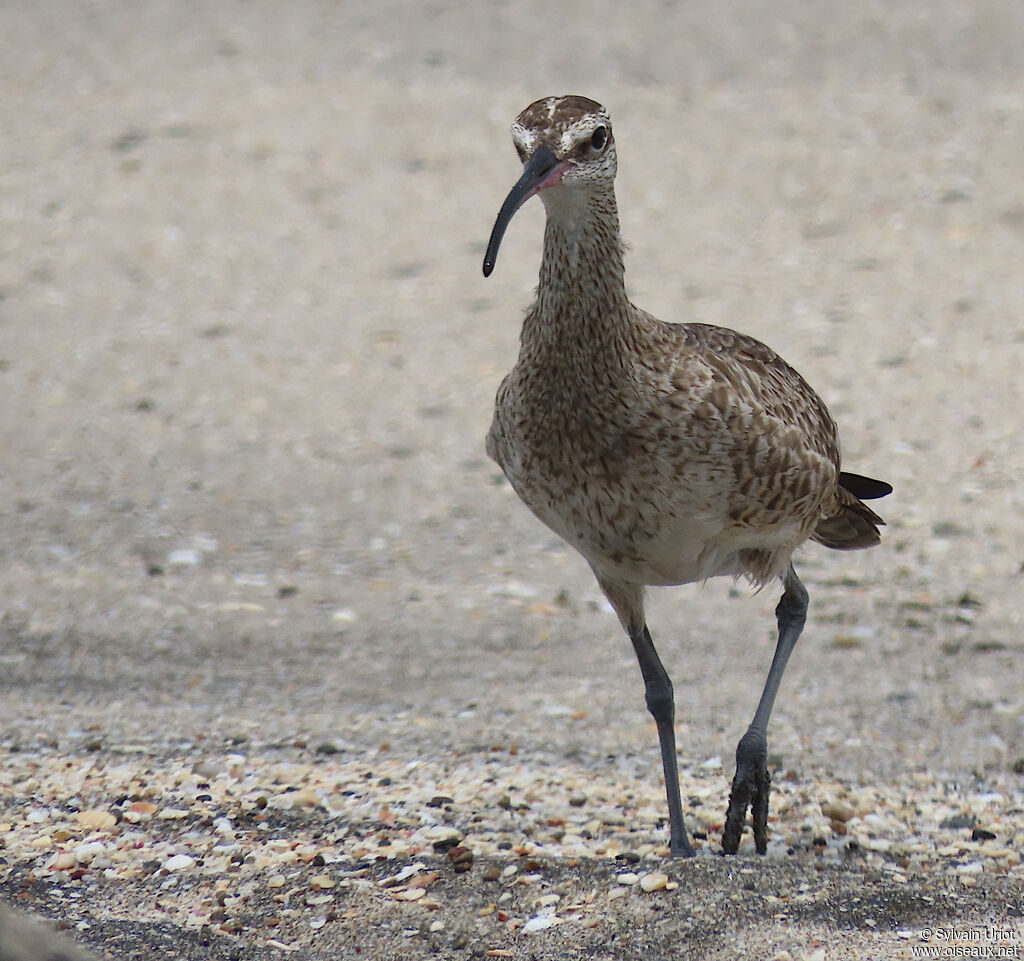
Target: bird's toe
750 790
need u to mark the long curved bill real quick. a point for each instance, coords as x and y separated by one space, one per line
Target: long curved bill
537 170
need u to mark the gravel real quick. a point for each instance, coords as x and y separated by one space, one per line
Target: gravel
291 851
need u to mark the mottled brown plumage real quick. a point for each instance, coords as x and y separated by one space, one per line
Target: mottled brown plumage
664 453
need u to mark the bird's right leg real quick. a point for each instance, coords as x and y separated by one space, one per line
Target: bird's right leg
627 599
661 704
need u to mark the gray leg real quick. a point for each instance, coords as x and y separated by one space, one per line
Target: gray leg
661 704
751 784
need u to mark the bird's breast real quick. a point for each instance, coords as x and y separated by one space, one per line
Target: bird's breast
598 476
663 485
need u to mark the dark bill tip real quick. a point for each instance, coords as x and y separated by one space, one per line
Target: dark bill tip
537 168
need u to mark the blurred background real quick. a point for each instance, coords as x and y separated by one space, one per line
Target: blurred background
247 361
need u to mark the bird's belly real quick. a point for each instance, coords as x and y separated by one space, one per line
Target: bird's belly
655 527
628 527
688 549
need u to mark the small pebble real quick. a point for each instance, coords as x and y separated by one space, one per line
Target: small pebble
655 881
540 923
461 858
63 860
207 770
838 811
85 853
179 862
184 557
139 811
410 870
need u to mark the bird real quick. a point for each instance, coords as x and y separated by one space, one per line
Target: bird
665 454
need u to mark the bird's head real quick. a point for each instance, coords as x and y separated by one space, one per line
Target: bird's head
565 143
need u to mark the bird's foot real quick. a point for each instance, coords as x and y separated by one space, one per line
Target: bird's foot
681 848
750 789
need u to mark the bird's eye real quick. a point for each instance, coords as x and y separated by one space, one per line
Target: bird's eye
598 138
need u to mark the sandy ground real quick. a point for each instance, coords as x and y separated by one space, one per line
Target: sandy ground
246 366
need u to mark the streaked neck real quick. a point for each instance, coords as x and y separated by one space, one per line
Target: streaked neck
582 272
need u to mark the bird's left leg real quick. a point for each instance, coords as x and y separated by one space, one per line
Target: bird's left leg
751 784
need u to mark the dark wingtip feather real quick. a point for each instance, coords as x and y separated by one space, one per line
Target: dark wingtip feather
863 488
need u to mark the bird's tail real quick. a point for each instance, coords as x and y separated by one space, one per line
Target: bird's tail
854 525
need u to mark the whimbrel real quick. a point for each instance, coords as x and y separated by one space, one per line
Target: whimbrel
664 453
